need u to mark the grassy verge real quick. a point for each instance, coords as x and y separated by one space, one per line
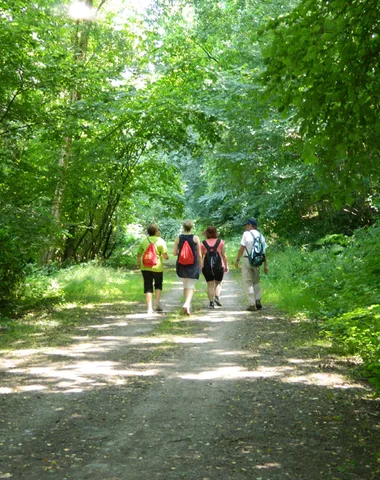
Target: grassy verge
52 305
337 286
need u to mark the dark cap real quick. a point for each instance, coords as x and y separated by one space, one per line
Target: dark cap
251 221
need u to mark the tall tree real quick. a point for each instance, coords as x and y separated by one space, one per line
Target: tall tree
322 66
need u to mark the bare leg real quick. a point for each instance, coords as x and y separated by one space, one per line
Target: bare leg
188 298
149 304
218 288
158 296
211 290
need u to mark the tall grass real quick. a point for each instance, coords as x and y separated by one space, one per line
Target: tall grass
52 303
96 284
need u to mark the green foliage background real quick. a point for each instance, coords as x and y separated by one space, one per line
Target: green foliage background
215 111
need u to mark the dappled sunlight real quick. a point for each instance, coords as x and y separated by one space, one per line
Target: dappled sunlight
192 340
23 389
98 327
32 388
84 365
114 341
284 374
144 316
268 465
235 373
215 317
80 376
237 353
323 379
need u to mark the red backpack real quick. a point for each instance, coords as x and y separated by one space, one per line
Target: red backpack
186 255
150 255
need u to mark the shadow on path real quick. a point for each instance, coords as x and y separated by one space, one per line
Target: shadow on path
241 398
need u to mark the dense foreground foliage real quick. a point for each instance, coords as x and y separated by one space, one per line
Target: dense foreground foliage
338 286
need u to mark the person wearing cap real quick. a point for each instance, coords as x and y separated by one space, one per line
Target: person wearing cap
250 274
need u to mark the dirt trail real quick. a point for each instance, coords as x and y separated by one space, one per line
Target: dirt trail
244 398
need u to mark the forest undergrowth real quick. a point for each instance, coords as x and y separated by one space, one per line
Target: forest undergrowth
336 285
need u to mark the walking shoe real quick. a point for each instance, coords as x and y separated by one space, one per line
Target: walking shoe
211 305
251 308
258 305
159 308
217 301
186 310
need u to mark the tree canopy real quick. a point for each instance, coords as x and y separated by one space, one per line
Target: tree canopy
213 110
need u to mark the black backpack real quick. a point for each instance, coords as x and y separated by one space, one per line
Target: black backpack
256 256
213 261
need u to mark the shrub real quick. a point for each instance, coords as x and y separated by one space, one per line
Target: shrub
338 285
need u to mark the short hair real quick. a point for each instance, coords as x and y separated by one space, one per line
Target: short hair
211 232
188 225
153 230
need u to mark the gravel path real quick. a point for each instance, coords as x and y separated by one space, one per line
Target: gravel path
244 397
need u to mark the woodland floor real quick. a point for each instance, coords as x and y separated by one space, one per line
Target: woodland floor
244 396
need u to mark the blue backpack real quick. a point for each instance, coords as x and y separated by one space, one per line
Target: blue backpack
256 256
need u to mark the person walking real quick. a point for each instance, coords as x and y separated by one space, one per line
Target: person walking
214 264
190 272
152 270
250 274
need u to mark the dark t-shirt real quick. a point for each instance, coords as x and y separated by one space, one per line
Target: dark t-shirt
188 271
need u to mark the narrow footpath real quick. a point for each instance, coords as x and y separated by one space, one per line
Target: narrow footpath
245 396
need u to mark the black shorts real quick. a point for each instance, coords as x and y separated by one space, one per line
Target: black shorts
149 278
210 277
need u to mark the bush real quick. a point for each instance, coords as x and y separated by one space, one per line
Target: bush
338 285
358 332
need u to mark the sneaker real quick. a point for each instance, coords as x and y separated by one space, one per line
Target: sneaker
159 308
217 301
186 310
150 312
258 305
211 305
251 308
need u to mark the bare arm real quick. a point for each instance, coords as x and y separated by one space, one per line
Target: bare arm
198 243
265 264
175 249
239 255
225 261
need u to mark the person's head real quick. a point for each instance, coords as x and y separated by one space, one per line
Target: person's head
250 224
211 232
153 230
187 226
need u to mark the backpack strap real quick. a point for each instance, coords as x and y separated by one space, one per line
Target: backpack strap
208 247
254 239
154 243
